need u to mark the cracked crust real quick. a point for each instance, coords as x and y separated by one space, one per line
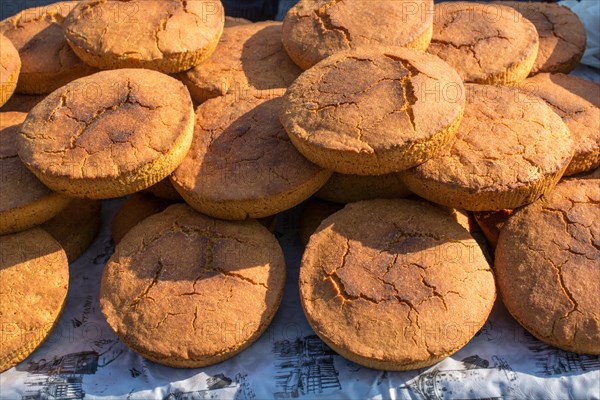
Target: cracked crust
485 43
186 290
165 35
341 188
24 201
577 102
10 66
248 57
561 34
109 134
373 111
395 284
76 227
47 60
242 163
548 266
34 278
314 30
510 149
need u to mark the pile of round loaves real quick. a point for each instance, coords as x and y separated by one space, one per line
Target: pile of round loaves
414 116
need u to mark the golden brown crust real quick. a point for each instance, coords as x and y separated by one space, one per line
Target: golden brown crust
314 30
383 281
10 66
370 111
248 58
47 61
109 134
510 149
186 290
577 102
165 35
242 163
34 278
561 34
76 227
548 266
134 210
485 43
24 201
341 188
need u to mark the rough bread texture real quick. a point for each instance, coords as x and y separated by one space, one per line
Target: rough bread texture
47 61
562 35
510 149
10 66
373 111
165 35
577 102
187 291
314 30
548 266
247 59
109 134
24 201
242 163
34 278
485 43
395 284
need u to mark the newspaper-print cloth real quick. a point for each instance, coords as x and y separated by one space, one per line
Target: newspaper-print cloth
83 358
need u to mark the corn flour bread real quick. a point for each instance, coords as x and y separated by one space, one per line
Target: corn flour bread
485 43
109 134
373 111
395 284
47 61
75 227
234 21
165 35
491 223
34 278
510 149
577 102
548 266
248 58
10 66
315 30
24 201
561 34
134 210
164 190
314 211
342 188
242 163
186 290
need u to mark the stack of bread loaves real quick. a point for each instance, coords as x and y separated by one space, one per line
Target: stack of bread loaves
351 101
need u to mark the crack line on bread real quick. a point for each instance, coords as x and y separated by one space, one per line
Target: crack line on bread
327 24
144 294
